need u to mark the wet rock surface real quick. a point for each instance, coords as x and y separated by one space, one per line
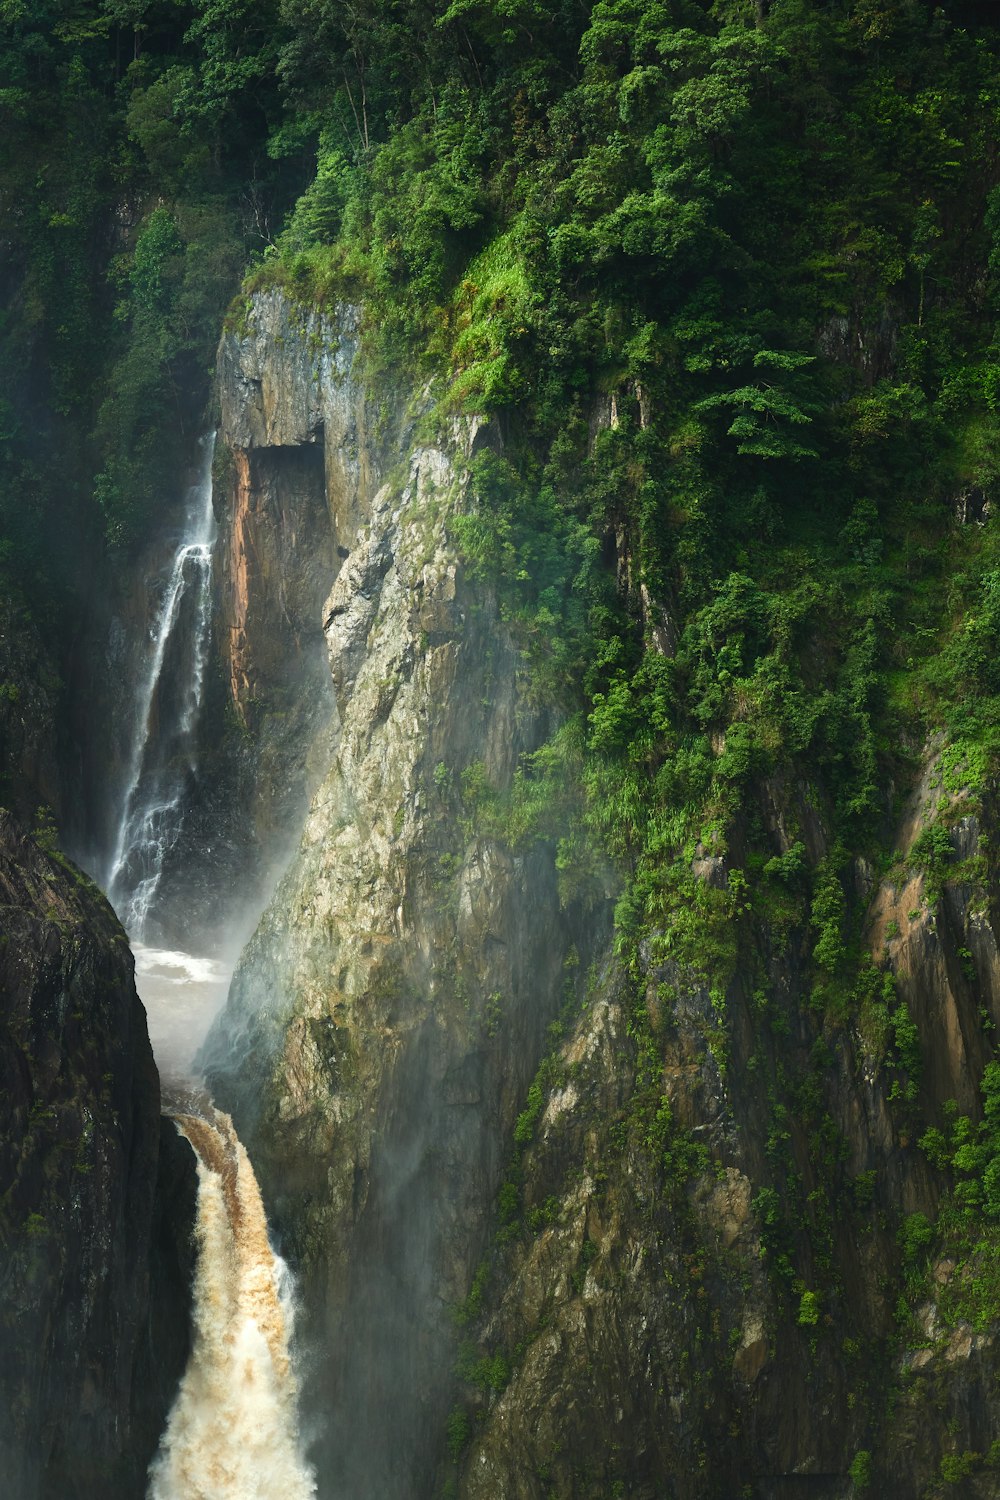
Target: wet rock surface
94 1261
31 767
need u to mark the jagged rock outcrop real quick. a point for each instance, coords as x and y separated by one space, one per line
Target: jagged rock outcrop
388 1014
94 1267
291 453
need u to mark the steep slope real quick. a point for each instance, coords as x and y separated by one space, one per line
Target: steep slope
703 593
94 1211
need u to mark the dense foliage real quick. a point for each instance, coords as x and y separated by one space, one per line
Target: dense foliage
767 233
724 275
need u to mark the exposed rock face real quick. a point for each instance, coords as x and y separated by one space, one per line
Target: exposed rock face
671 1306
388 1014
943 953
267 693
634 1306
648 1351
85 1375
291 451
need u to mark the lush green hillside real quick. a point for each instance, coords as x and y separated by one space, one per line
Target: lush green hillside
767 231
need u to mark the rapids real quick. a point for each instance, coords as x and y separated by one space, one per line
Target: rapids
232 1434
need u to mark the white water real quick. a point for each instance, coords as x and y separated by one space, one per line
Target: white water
161 754
232 1434
233 1431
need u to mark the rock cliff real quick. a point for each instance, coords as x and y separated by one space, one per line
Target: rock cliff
676 1263
292 438
388 1014
94 1271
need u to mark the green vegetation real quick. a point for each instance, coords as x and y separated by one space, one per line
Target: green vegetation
763 237
968 1224
723 277
134 183
459 1432
861 1469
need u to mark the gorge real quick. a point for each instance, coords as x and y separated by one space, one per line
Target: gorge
499 586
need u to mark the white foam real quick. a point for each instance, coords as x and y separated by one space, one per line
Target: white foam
233 1433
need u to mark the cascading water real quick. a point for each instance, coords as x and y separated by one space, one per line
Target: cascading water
162 753
232 1434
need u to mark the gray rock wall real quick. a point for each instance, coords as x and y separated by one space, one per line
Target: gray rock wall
641 1329
389 1012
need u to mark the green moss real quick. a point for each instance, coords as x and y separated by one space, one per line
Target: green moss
860 1471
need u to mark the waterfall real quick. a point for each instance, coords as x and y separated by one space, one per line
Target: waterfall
161 758
232 1434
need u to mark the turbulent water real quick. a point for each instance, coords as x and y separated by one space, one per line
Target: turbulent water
232 1434
161 759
